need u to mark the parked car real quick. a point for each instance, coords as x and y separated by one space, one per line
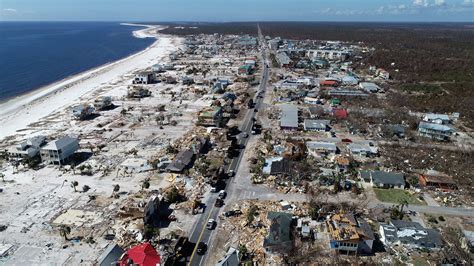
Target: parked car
219 202
229 213
211 224
201 248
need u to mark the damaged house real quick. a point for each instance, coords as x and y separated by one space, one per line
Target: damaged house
435 131
349 234
27 149
211 116
181 161
409 234
278 240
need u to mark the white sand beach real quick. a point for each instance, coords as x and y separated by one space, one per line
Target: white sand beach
19 112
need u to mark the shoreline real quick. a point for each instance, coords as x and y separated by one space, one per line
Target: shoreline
13 109
39 90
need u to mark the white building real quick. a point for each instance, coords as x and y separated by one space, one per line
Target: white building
440 119
328 54
316 125
143 78
59 151
27 149
369 87
318 149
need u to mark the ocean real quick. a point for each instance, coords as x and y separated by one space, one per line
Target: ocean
35 54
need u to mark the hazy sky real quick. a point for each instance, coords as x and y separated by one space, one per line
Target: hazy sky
238 10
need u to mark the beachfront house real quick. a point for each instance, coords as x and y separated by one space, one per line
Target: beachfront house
27 149
59 151
145 77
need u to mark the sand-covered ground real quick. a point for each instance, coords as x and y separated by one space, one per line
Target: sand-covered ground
17 113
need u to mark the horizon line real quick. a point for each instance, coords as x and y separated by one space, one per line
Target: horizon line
242 21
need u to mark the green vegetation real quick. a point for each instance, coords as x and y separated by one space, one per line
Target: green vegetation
251 214
173 196
396 196
422 88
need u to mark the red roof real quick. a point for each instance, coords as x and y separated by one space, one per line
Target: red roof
328 82
340 113
143 255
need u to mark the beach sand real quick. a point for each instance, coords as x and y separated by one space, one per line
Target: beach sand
17 113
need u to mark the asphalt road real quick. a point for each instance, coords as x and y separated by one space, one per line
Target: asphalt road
200 232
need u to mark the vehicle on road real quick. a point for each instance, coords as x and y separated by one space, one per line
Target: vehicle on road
211 224
219 202
231 173
213 189
201 248
222 194
245 135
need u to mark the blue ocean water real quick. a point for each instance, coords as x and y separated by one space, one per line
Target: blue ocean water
34 54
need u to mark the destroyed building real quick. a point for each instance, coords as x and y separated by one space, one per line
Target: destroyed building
138 92
278 240
181 161
82 111
210 116
152 212
103 103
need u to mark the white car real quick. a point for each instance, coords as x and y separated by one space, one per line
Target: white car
211 224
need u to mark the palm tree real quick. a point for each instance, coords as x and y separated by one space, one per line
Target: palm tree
74 184
116 189
73 168
146 184
402 203
64 231
242 251
15 165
